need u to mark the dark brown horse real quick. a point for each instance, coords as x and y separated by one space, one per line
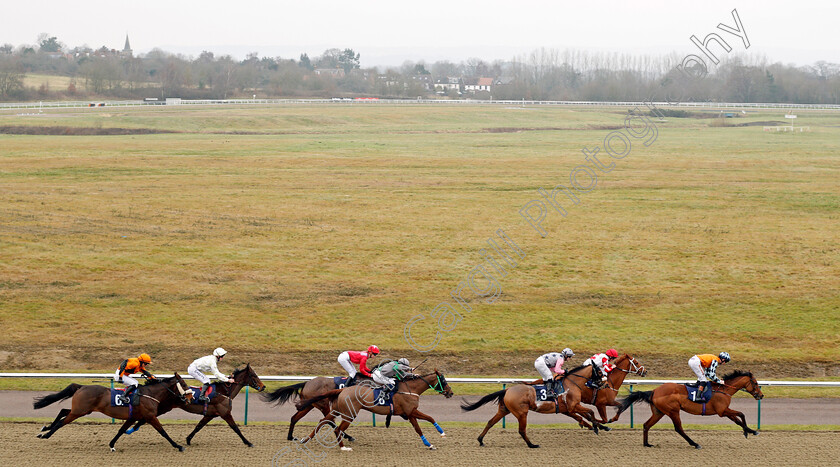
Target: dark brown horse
347 402
220 405
308 390
519 399
670 398
95 398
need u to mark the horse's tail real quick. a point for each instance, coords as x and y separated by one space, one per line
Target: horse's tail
331 395
498 396
282 395
634 397
41 402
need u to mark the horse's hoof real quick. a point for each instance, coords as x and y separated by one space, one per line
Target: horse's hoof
534 446
39 435
250 445
345 448
113 449
648 445
44 428
189 442
349 438
756 433
292 438
432 448
443 435
697 446
606 428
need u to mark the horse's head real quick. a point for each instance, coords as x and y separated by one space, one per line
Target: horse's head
438 382
744 380
247 376
633 365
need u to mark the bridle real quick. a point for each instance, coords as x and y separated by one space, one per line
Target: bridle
635 367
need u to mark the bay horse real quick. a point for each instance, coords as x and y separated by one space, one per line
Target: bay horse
521 398
669 398
347 402
308 390
95 398
219 406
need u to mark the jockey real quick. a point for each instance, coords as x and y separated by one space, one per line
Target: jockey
602 364
704 366
349 357
389 373
552 363
208 364
129 367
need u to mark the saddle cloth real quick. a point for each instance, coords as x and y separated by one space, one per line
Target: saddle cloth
542 393
694 395
382 397
196 392
116 402
339 381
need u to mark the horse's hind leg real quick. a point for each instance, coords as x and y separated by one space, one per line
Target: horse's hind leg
501 413
295 419
205 420
64 421
123 428
675 417
325 409
61 414
523 425
655 417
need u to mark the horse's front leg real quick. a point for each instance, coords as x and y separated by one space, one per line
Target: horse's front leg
416 425
740 420
418 414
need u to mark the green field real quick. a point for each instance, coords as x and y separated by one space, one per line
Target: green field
320 228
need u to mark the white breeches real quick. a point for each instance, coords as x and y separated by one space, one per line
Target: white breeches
127 380
344 361
379 378
694 364
201 377
543 369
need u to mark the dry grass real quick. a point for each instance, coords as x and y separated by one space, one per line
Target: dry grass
342 222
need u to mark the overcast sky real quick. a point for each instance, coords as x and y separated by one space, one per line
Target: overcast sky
390 32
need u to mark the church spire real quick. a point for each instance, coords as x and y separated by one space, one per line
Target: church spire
127 49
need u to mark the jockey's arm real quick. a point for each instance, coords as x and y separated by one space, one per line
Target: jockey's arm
363 369
122 367
147 374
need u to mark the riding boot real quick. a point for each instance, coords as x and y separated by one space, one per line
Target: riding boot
350 381
126 397
549 389
701 390
203 397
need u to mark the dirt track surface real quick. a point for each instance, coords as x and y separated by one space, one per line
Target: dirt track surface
87 445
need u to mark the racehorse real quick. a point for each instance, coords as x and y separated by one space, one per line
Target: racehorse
347 402
519 399
604 397
219 406
308 390
670 398
95 398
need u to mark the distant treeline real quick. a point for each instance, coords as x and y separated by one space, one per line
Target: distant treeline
547 74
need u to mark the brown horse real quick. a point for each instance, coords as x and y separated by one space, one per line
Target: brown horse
219 406
605 397
95 398
308 390
347 402
519 399
670 398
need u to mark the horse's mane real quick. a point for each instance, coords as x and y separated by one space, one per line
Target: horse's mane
153 382
576 369
237 371
737 373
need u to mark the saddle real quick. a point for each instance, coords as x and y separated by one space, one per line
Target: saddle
116 394
696 396
542 392
339 381
196 391
383 398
